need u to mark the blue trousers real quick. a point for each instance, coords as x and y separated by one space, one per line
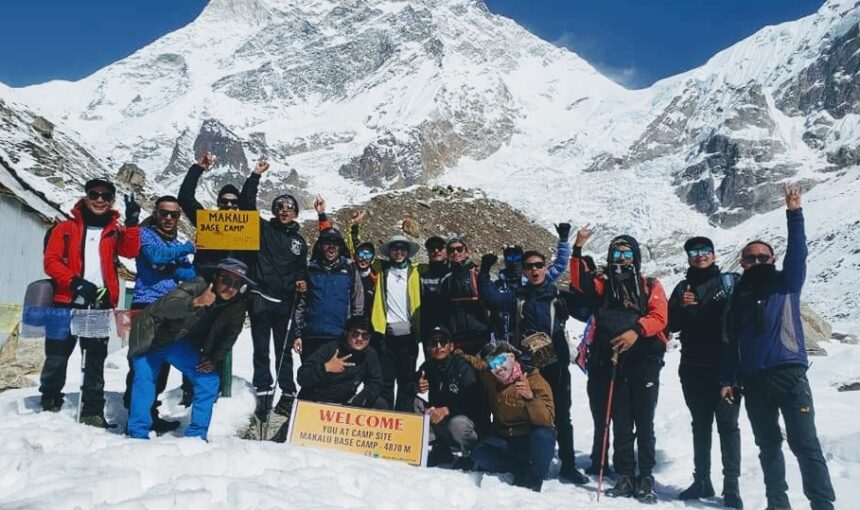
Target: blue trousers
527 457
184 357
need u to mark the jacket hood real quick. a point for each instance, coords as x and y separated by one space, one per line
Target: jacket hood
629 241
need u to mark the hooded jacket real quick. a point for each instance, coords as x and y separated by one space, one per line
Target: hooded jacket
283 256
763 327
611 317
514 416
454 384
213 329
64 253
321 386
464 313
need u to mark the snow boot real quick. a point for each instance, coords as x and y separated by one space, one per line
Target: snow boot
440 454
624 488
568 473
160 425
285 404
732 493
264 405
52 405
645 490
96 420
701 488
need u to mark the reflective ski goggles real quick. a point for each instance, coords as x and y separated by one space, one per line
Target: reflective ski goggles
704 251
756 259
514 257
364 255
619 255
498 360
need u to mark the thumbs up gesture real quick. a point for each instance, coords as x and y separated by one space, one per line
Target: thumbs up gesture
689 297
524 389
205 299
337 365
423 383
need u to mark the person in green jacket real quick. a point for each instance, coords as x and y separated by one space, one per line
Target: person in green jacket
192 328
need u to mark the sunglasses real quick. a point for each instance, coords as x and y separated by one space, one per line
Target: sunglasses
534 265
399 247
436 247
284 204
230 281
228 202
619 255
456 249
496 361
168 214
107 196
364 255
704 251
359 334
756 259
438 342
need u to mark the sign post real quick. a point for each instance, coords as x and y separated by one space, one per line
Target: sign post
373 433
228 230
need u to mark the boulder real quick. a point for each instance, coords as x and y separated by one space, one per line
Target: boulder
815 330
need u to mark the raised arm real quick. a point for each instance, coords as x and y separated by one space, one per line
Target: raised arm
582 279
187 191
794 265
562 253
490 295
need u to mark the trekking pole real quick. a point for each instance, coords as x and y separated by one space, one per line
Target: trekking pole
264 427
605 446
83 375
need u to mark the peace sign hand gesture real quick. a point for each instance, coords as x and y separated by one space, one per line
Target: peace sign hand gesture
337 365
583 235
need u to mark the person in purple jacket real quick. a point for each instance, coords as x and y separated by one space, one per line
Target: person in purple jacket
766 355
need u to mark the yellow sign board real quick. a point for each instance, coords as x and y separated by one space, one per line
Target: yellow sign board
228 230
384 434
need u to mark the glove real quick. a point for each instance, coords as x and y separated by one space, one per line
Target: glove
132 211
85 290
563 230
488 261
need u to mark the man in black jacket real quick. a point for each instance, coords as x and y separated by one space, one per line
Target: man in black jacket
336 370
465 315
280 267
456 405
431 279
696 309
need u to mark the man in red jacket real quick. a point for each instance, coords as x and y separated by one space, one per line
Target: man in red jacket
81 259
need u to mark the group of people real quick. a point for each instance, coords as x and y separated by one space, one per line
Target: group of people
496 381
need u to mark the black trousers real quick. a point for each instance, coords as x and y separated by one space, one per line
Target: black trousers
637 385
398 356
785 390
598 393
701 387
271 319
557 376
53 378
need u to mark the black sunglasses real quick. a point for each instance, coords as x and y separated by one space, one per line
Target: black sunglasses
456 249
357 333
226 202
528 266
164 213
436 247
438 342
233 283
757 259
107 196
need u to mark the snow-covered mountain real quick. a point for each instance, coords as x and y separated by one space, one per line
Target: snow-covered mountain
348 98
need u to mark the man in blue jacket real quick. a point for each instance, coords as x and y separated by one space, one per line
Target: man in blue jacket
767 353
162 263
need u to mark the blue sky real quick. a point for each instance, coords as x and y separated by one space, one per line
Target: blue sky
635 42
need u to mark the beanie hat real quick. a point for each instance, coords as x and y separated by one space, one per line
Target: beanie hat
228 189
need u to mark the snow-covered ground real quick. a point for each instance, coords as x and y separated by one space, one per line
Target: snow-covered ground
47 461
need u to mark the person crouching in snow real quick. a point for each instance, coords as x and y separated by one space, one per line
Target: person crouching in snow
522 441
334 372
192 328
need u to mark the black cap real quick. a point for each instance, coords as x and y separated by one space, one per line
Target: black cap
366 245
358 322
698 241
95 183
228 188
440 330
434 240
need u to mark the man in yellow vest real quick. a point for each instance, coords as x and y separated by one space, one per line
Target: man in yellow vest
396 319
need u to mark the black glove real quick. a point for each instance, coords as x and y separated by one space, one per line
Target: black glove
488 261
132 211
563 230
85 290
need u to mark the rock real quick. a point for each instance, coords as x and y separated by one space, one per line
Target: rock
43 126
226 145
855 386
19 359
815 330
132 176
845 338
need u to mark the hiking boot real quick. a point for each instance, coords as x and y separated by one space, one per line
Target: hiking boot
645 490
440 454
701 488
463 464
285 404
732 493
264 405
161 426
594 469
625 488
96 420
52 405
569 473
